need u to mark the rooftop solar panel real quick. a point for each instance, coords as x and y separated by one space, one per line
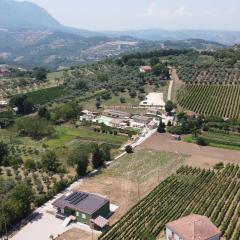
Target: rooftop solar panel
71 196
80 199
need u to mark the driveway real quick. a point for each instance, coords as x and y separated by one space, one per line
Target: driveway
46 224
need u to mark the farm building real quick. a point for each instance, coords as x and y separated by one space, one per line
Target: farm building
192 227
86 115
153 99
115 114
145 69
119 123
139 121
85 207
153 112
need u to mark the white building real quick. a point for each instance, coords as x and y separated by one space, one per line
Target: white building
87 115
192 227
153 99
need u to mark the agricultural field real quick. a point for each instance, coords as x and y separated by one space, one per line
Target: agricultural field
44 96
191 190
67 135
132 177
221 140
211 100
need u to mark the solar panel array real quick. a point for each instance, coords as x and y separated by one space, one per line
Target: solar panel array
76 198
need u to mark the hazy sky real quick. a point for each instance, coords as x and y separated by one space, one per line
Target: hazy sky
142 14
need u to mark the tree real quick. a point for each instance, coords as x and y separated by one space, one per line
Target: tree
34 127
23 104
40 74
82 164
106 152
24 195
154 61
161 69
98 104
97 157
169 107
3 152
161 127
44 113
50 161
129 149
132 93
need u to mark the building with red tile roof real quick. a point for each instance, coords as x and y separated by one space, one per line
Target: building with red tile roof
192 227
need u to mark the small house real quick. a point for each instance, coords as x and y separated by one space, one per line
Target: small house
85 207
86 115
145 69
139 121
192 227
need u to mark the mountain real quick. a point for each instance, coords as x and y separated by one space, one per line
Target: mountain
19 15
224 37
30 36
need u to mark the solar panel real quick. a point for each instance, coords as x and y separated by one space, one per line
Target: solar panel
71 196
75 197
79 199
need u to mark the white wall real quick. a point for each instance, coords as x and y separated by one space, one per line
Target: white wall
169 234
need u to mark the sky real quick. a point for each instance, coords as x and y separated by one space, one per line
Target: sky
145 14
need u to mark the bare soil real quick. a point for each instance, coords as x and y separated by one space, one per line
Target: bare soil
77 234
199 156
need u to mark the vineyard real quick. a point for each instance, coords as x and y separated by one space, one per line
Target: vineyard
215 100
191 190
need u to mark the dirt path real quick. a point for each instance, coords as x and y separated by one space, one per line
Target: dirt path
199 156
177 83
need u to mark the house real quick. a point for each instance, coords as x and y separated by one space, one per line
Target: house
86 115
139 121
118 123
192 227
85 207
153 99
115 114
145 69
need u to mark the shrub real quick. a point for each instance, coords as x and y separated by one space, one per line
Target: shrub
129 149
202 141
219 166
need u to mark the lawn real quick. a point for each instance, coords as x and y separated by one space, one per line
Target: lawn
145 163
66 135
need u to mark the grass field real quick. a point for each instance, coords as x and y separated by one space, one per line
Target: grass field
66 135
191 190
143 164
221 140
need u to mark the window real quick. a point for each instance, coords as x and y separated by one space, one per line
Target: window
83 216
77 214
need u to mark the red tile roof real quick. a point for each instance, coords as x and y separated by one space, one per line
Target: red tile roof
194 227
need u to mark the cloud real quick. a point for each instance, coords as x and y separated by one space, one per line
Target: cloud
154 10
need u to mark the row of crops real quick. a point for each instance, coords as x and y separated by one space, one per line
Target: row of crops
191 190
223 139
211 75
222 101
